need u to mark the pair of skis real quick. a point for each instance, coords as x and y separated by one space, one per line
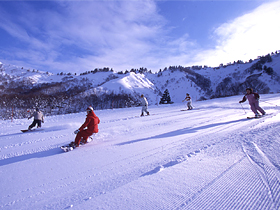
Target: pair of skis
257 117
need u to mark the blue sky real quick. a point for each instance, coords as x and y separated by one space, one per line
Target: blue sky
78 36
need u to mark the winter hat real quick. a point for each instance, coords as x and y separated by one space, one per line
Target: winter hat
90 109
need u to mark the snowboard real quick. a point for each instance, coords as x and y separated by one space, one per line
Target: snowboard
26 130
188 109
71 146
67 148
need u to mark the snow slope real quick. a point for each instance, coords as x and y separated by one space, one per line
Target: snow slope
211 157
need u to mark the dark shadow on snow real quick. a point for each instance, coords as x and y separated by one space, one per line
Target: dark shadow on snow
37 130
9 135
181 132
164 135
42 154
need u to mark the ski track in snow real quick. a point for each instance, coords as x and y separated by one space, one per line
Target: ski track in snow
249 180
248 197
259 174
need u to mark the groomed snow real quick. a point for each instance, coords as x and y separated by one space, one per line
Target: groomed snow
211 157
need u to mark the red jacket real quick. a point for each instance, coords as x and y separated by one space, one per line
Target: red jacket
91 123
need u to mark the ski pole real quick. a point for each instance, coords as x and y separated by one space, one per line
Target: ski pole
243 108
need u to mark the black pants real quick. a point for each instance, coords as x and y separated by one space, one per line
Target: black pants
34 123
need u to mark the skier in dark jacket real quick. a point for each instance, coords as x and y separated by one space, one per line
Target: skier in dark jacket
89 127
253 99
38 119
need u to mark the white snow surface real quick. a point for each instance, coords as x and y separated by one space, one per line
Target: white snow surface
211 157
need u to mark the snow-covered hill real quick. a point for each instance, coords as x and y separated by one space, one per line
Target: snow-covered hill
104 88
211 157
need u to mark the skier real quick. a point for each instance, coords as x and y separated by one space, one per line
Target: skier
89 127
189 101
253 99
38 119
144 103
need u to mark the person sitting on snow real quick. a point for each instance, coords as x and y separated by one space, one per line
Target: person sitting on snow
38 119
89 127
253 99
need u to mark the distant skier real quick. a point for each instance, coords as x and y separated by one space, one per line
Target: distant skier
253 99
189 101
89 127
38 119
144 104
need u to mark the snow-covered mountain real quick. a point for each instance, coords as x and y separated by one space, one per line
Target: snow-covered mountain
24 88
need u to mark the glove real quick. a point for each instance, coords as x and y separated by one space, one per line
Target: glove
76 131
240 102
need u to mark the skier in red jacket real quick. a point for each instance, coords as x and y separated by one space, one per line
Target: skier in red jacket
253 99
89 127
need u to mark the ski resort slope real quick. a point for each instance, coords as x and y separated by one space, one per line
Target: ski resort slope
211 157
